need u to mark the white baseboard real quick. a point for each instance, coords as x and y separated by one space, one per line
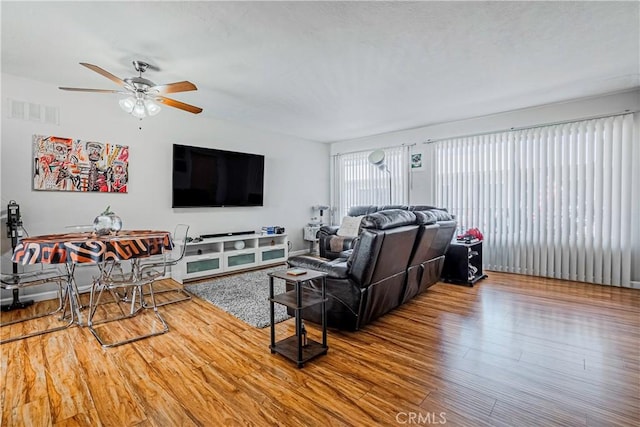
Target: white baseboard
38 296
301 252
51 294
45 295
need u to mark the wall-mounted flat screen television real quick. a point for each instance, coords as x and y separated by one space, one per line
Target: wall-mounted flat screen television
207 177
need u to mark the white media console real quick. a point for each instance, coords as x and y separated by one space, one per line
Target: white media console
219 255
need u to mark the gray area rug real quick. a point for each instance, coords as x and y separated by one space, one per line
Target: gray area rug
244 295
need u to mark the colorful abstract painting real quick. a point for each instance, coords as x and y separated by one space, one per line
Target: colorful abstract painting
66 164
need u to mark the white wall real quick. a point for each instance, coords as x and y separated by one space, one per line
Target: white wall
296 170
422 192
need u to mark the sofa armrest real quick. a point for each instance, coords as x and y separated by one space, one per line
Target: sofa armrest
335 268
332 246
328 230
347 254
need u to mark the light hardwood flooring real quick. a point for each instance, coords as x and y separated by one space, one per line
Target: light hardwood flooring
511 351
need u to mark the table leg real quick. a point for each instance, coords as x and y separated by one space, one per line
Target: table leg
75 306
273 326
324 311
299 321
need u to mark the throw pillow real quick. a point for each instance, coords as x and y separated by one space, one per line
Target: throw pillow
350 226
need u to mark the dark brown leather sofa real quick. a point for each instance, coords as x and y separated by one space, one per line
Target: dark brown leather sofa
332 246
398 255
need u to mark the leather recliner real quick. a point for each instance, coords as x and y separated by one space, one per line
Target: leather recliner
371 281
426 262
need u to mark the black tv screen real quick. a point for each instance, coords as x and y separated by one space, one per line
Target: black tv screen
207 177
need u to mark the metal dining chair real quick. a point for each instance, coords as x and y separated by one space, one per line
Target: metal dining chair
157 266
41 277
126 288
80 268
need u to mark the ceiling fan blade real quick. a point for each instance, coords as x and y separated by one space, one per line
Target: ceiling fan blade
177 104
116 80
79 89
174 87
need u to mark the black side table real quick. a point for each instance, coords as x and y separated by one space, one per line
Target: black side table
463 263
292 347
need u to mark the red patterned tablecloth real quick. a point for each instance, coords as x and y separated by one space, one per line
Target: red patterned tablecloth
87 247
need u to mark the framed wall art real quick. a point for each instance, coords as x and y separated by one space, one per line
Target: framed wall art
67 164
417 162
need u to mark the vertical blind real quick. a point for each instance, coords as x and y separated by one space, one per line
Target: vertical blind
551 201
358 182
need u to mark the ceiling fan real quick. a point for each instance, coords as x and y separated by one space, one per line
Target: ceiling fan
142 93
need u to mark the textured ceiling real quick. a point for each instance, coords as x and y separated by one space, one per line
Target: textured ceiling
330 71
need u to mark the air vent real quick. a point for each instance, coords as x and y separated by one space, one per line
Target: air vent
16 109
32 111
52 115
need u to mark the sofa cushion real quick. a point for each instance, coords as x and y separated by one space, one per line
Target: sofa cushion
391 218
442 215
425 217
387 207
350 226
362 210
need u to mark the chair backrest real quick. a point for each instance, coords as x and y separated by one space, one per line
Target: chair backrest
384 246
380 260
156 266
81 228
440 244
180 234
424 246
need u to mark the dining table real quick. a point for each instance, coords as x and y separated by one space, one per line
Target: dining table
72 249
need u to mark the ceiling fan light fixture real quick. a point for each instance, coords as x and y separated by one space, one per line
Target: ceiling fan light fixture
139 110
127 104
151 107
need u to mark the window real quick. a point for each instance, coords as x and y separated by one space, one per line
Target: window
358 182
551 201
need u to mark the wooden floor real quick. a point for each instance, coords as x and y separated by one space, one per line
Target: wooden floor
511 351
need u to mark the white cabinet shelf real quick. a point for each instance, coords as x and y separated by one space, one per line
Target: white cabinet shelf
219 255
